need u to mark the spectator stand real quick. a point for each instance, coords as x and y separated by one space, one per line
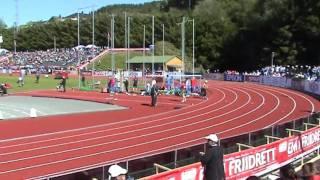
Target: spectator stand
252 145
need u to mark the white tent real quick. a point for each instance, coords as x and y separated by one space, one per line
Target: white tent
90 46
79 47
3 51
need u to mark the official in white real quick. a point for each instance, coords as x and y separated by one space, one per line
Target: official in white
117 173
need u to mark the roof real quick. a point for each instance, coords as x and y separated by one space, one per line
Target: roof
148 59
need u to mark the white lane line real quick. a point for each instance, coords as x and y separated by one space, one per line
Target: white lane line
150 153
107 136
102 125
122 148
22 110
229 130
127 126
145 135
17 110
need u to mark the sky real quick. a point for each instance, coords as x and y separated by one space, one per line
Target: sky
36 10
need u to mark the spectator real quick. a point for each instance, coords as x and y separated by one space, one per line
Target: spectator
20 81
183 92
126 85
3 88
147 90
253 178
287 172
135 84
37 76
203 91
212 160
309 172
193 84
168 85
63 83
188 87
118 173
83 80
154 93
112 83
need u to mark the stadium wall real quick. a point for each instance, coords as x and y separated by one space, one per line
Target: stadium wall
312 87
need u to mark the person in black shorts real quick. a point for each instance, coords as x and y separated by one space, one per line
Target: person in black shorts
203 91
126 85
135 84
154 93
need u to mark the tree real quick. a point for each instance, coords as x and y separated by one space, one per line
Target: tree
2 24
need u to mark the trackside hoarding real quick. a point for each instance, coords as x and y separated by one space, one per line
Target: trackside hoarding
254 161
234 77
284 82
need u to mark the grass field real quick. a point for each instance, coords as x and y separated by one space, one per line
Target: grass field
51 83
104 63
44 83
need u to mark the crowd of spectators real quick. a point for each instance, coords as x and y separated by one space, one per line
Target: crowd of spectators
311 73
58 57
50 59
302 72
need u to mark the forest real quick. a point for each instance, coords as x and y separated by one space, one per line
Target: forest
229 34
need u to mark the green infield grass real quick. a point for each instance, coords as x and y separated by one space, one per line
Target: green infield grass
44 83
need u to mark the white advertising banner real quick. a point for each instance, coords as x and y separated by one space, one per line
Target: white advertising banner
276 81
312 87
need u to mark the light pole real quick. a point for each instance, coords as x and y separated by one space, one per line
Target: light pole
128 46
78 56
112 44
153 45
92 49
144 51
272 57
15 30
182 45
15 38
163 48
79 70
193 36
108 40
125 39
1 40
54 44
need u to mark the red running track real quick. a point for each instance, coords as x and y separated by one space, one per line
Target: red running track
54 145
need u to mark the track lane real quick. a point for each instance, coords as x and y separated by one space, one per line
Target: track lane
179 133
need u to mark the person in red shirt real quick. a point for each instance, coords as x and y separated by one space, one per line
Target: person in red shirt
193 84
